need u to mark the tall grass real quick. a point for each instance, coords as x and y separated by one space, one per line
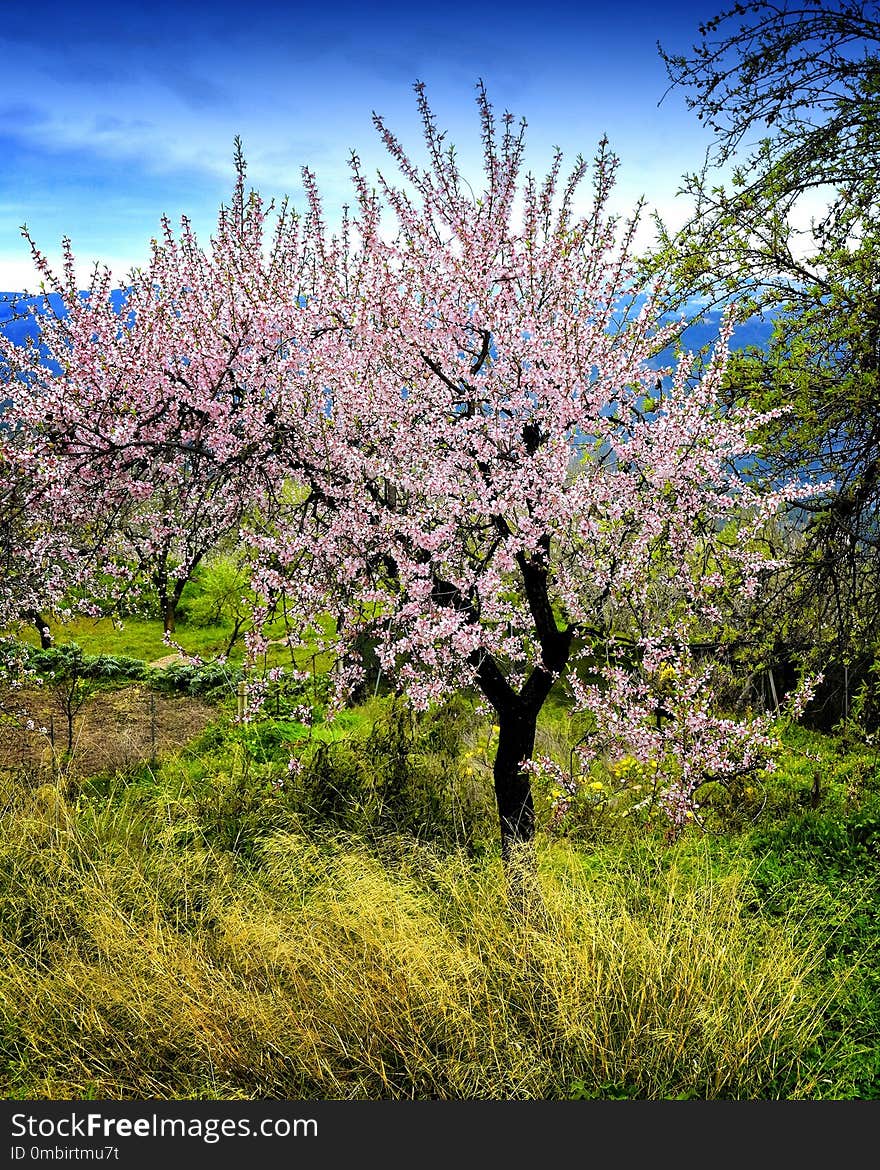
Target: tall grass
137 960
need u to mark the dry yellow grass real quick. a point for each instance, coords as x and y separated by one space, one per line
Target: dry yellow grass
134 967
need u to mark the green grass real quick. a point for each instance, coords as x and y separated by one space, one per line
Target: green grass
144 639
135 638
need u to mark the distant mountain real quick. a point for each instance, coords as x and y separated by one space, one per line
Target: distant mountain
705 331
754 331
17 331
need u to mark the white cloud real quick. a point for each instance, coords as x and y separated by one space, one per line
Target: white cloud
17 274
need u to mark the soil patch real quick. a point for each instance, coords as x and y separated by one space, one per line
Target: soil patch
112 730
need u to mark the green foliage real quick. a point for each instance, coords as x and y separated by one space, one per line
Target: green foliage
821 864
825 844
403 774
208 679
69 661
219 596
865 710
800 85
373 771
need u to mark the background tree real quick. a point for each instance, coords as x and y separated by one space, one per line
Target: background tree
224 596
791 92
190 513
452 416
39 545
153 497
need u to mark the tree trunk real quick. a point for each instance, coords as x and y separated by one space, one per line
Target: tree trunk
42 626
169 613
170 601
513 789
516 810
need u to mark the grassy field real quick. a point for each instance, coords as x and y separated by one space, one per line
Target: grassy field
207 924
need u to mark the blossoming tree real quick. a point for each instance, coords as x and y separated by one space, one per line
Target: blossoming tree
482 472
39 562
114 398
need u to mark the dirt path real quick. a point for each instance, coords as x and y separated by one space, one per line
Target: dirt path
168 660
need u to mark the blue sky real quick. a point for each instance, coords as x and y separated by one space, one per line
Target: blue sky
111 115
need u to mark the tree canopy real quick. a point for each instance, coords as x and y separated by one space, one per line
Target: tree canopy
447 412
